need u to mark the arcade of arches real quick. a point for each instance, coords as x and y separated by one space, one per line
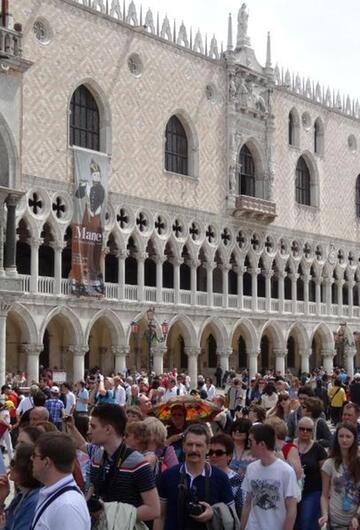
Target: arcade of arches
65 342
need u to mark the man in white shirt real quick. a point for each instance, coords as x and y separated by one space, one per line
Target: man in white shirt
119 392
172 390
61 504
269 487
70 398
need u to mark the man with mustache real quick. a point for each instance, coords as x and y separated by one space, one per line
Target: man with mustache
189 490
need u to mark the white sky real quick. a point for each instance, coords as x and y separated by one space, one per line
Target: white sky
320 39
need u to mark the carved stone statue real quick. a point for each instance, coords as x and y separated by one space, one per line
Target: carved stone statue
242 37
232 88
232 180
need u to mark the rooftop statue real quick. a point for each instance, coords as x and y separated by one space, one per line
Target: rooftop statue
242 36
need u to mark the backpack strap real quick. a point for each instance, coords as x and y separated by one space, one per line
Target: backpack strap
50 500
182 497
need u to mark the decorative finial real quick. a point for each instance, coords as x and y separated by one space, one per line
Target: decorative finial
268 51
230 36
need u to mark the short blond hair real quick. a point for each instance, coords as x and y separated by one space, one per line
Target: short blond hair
279 426
156 429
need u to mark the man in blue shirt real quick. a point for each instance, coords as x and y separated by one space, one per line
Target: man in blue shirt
55 407
196 482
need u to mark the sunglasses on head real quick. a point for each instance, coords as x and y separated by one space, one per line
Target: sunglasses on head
305 429
216 452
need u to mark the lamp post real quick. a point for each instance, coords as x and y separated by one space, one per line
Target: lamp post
151 335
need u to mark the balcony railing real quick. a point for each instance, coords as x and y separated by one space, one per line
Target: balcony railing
254 207
47 286
10 43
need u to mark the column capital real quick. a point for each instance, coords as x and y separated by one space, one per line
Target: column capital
328 353
254 272
254 354
122 254
35 242
33 349
119 350
340 282
159 350
78 349
328 280
194 263
240 269
209 266
280 353
226 352
58 246
268 274
141 256
192 352
4 307
294 276
12 199
177 261
281 274
225 267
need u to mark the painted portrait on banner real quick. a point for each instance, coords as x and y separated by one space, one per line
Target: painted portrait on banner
90 199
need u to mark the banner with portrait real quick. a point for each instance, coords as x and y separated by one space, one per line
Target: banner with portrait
90 199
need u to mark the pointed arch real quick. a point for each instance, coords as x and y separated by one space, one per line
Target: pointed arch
28 325
272 327
114 323
139 319
187 329
97 95
299 331
245 327
293 127
218 329
307 188
318 136
71 320
181 150
251 174
326 336
9 167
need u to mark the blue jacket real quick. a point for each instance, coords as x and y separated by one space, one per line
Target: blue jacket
20 513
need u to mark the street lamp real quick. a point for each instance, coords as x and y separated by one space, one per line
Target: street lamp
151 335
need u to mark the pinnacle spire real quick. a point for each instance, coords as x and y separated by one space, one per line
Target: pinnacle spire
230 37
268 51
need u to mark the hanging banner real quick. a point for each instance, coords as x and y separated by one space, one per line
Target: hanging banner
90 199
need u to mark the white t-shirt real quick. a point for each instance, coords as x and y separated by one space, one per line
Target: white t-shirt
24 405
120 395
70 402
269 487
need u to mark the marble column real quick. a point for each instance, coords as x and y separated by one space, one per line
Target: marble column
328 360
120 354
281 290
193 354
280 361
306 278
4 308
239 269
57 267
159 278
225 284
78 352
305 366
318 295
254 290
32 362
141 257
294 277
209 283
35 244
10 258
253 363
2 228
224 359
350 286
176 265
350 353
268 275
193 264
159 352
339 285
121 256
328 282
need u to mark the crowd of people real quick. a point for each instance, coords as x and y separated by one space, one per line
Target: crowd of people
278 453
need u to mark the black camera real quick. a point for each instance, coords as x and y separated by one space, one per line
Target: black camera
194 508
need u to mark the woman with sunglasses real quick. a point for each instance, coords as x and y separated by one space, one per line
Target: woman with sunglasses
20 513
340 475
282 409
220 454
241 456
312 456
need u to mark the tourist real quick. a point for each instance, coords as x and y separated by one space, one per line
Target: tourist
257 414
105 390
53 459
165 454
285 450
282 408
133 398
312 456
69 398
38 415
82 399
176 430
235 395
210 388
55 407
269 396
20 512
28 435
294 387
134 414
177 502
294 417
252 394
351 414
119 392
313 408
269 486
337 398
355 389
340 473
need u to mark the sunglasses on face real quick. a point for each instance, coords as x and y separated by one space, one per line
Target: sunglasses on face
216 452
305 429
240 430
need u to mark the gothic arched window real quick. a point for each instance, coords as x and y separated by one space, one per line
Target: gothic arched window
293 128
318 137
247 173
84 120
357 197
303 182
176 147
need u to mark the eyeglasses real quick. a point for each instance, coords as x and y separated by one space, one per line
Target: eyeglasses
239 429
305 429
284 398
217 452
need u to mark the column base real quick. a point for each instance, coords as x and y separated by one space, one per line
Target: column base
11 272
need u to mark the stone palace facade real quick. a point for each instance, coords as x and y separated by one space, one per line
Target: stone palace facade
234 197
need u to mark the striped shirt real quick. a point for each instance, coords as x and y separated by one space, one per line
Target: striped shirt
124 483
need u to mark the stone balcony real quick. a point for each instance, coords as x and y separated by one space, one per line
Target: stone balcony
253 207
11 50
